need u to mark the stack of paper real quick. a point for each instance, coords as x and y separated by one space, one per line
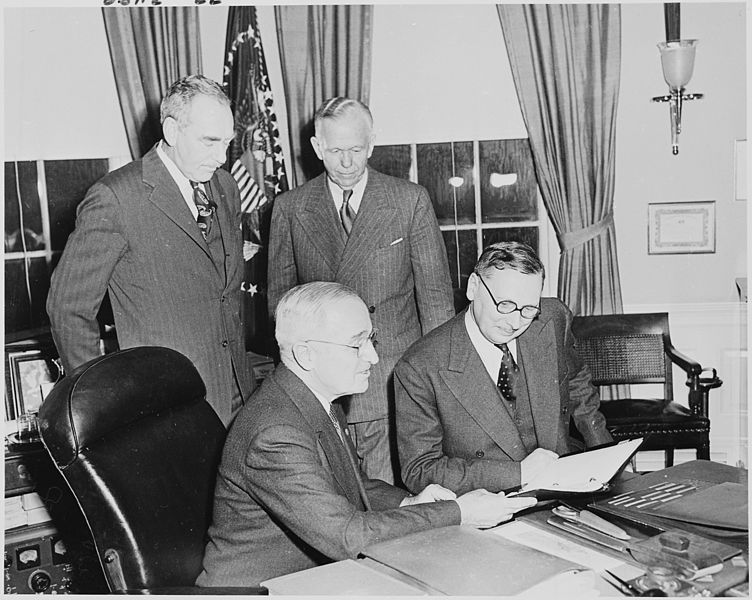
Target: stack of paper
26 509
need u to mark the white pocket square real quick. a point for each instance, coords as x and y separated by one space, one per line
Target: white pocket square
397 241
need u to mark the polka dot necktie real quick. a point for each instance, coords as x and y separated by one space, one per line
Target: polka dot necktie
205 209
507 373
346 213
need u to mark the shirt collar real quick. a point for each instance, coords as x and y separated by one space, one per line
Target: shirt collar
181 180
489 354
357 195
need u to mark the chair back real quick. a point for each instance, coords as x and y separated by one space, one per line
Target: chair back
626 349
135 440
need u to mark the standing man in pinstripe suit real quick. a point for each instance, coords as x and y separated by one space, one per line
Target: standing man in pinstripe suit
173 278
376 234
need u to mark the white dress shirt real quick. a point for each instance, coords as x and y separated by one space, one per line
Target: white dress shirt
183 182
357 195
489 354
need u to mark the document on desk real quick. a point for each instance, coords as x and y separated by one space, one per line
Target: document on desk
460 560
585 472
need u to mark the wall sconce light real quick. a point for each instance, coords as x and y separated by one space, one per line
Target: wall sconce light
678 62
498 180
456 181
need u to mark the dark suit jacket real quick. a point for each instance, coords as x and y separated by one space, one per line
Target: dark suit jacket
452 428
394 259
136 237
287 496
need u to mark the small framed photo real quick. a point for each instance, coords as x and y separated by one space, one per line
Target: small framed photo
681 228
32 375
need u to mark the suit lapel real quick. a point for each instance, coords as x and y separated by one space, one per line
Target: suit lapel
376 210
328 439
166 197
468 381
319 219
538 348
225 223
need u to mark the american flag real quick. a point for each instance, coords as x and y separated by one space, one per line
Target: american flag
256 159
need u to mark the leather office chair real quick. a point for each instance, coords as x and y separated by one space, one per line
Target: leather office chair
135 440
637 349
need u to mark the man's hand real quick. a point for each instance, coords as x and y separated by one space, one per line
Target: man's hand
481 508
535 462
431 493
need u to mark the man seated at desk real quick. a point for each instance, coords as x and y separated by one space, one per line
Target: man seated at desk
289 495
485 400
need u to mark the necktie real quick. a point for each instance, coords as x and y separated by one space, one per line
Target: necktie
205 209
507 373
350 458
346 213
335 421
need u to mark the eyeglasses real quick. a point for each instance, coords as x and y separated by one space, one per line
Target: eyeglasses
507 307
371 339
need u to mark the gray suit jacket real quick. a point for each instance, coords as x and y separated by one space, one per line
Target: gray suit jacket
394 259
136 237
452 427
288 497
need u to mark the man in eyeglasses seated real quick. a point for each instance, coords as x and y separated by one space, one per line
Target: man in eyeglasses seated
289 492
486 399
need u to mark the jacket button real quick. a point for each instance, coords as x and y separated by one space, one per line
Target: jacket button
371 309
224 344
480 453
564 410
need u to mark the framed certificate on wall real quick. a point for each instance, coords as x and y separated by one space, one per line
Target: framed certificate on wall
681 228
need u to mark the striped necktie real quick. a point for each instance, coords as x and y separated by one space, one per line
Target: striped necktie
346 213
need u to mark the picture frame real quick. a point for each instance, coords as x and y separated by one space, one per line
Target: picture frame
32 374
681 227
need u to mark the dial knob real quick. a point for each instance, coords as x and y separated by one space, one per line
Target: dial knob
40 581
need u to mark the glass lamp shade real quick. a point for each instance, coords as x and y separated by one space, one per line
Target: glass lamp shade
678 62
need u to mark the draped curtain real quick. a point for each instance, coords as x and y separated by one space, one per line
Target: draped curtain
565 61
325 51
150 48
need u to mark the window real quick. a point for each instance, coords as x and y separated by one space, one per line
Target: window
40 210
482 191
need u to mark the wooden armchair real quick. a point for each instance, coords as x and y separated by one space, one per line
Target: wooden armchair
637 349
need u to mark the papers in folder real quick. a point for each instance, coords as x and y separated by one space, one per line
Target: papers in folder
588 471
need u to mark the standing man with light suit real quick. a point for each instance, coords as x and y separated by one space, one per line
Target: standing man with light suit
378 235
162 234
486 399
289 493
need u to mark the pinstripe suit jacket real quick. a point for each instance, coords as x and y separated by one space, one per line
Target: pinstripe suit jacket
394 259
136 237
452 427
287 496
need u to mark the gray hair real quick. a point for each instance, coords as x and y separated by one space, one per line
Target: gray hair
177 100
304 310
517 256
337 107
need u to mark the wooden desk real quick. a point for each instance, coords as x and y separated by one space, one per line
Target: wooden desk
348 577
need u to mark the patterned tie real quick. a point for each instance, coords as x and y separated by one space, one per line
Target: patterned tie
507 373
205 209
335 421
351 458
346 213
